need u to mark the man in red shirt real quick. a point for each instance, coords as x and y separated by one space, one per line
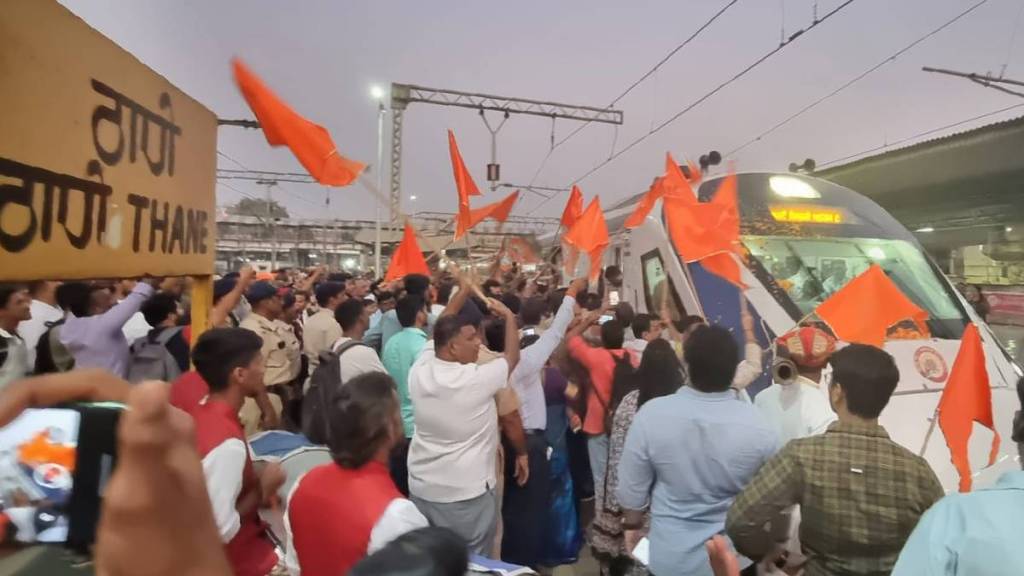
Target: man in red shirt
600 363
229 361
340 512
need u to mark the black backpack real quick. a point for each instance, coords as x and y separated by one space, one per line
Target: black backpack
326 379
51 355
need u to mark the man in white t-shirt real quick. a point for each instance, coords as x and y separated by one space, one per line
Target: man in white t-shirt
45 313
452 475
354 320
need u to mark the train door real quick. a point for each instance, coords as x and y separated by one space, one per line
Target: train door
654 278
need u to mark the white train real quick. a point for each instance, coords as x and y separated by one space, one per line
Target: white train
800 231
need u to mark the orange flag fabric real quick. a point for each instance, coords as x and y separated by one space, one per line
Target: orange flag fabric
282 126
408 258
590 231
499 211
463 181
590 235
967 399
705 232
646 204
465 186
573 208
862 311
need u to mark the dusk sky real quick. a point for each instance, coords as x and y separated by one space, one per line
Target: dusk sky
323 56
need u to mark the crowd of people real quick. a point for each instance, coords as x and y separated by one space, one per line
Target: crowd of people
490 418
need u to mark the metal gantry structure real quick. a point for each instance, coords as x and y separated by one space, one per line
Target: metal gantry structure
404 94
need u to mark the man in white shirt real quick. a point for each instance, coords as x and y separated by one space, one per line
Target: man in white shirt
14 308
452 474
797 407
647 329
45 312
524 506
357 359
321 330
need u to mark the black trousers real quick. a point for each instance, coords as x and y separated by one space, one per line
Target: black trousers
399 466
525 507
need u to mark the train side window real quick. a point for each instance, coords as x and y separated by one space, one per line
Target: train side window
659 290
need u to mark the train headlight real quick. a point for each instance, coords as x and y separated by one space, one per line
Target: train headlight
789 187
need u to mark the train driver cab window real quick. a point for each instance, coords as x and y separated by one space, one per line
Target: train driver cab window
810 270
659 291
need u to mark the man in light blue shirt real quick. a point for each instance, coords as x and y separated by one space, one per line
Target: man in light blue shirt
972 534
688 455
400 353
378 336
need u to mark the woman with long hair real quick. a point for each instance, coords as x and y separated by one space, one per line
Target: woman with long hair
659 374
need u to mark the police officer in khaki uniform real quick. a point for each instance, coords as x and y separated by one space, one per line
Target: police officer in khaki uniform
281 352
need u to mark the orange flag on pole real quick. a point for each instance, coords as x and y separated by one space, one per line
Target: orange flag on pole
705 232
573 208
463 181
590 235
862 311
590 231
967 399
408 258
464 185
646 204
499 211
282 126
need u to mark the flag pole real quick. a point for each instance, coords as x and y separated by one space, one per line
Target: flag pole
928 435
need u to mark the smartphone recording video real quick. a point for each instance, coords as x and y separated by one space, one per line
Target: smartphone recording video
38 454
613 298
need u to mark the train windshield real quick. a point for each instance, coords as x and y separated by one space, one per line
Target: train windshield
803 271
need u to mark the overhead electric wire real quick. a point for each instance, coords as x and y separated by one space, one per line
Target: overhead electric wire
921 135
291 193
856 79
703 98
642 78
245 194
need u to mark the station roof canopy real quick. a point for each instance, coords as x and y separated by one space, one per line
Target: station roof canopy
967 181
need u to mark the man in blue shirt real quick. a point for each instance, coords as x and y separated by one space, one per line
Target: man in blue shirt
378 336
975 534
688 455
400 352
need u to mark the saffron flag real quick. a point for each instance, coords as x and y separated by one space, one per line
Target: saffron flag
499 211
463 181
705 232
590 235
282 126
464 185
646 204
573 208
863 310
408 258
675 182
967 399
590 231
